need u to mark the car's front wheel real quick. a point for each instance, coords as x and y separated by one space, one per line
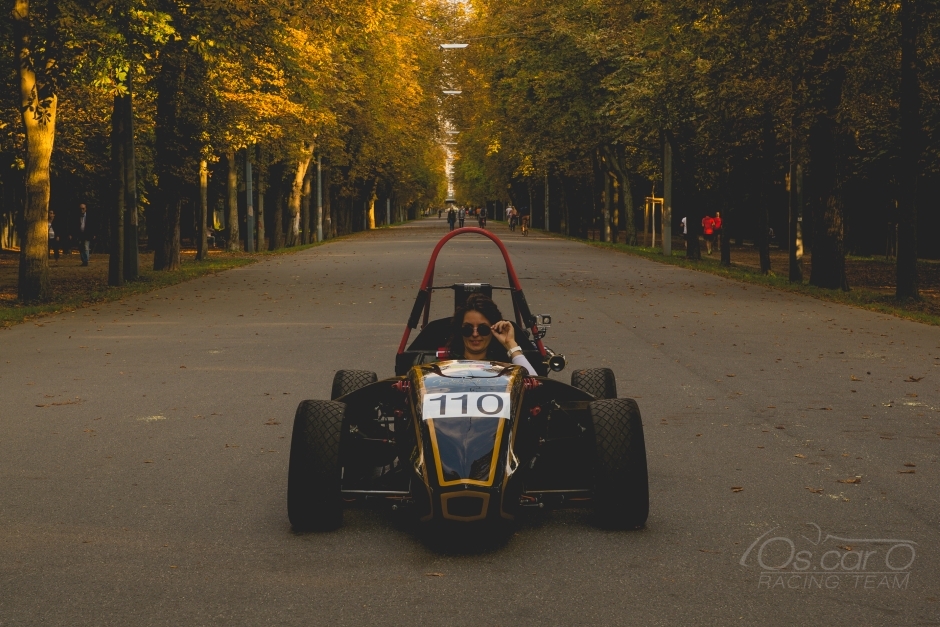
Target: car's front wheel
621 482
314 500
346 381
598 382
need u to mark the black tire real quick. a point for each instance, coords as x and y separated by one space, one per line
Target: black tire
598 382
346 381
314 500
621 481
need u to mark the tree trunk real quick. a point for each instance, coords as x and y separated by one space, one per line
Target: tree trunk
726 212
262 172
626 192
119 195
296 195
249 203
370 212
171 158
305 210
131 249
795 243
38 104
548 215
608 203
329 224
769 148
320 199
202 241
277 218
668 193
171 243
233 239
827 155
910 152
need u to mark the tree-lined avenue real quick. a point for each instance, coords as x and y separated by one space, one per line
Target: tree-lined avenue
144 449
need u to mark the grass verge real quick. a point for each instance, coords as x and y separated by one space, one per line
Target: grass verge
12 313
872 300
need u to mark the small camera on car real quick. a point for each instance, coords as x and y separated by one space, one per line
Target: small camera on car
543 321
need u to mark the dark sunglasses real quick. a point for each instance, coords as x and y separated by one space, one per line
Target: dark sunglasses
482 329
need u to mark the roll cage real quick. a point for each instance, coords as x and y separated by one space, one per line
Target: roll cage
428 346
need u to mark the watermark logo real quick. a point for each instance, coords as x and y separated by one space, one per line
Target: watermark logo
801 562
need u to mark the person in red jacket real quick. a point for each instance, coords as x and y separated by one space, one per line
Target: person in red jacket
708 228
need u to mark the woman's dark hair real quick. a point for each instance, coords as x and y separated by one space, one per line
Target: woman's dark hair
485 305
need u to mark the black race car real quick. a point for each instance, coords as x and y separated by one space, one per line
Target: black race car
469 441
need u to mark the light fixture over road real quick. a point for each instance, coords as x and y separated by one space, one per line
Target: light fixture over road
454 46
453 92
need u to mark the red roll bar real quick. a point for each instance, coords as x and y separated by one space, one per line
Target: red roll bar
428 283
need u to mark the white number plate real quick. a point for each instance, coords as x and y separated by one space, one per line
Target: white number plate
459 405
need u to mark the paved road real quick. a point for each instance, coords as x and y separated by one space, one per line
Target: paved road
144 448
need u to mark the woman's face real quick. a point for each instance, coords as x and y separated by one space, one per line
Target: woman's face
476 344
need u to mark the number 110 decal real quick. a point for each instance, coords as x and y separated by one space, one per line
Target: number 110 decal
467 404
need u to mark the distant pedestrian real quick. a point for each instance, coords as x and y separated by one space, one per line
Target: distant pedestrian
482 219
54 241
708 228
439 211
461 216
685 232
513 218
451 218
84 233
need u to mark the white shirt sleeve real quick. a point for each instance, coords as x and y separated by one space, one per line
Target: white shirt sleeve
520 360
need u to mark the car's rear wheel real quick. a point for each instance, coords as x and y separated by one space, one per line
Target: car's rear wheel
621 482
314 500
598 382
346 381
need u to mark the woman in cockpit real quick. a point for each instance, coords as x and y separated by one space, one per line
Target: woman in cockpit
473 328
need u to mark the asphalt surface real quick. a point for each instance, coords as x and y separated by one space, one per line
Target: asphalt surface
144 449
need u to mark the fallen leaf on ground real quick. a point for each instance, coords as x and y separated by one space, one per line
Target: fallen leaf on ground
851 480
910 465
800 455
272 422
736 488
433 574
729 375
779 427
906 472
845 547
854 378
148 461
912 379
814 490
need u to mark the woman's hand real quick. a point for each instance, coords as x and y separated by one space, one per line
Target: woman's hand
504 334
